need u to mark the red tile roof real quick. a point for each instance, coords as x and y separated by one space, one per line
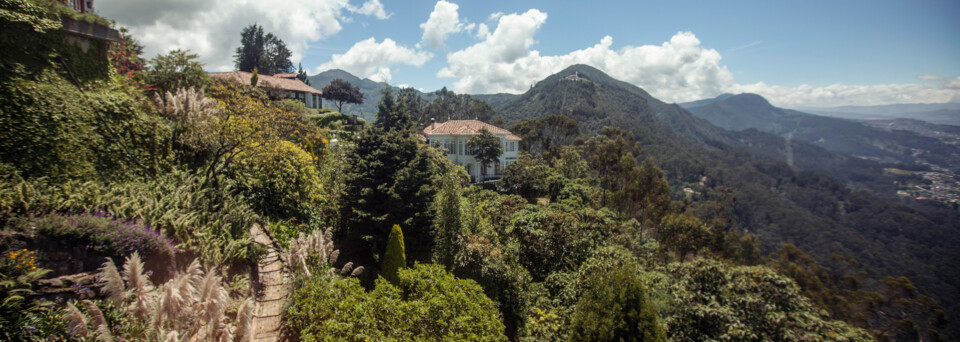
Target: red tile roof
290 75
266 81
466 127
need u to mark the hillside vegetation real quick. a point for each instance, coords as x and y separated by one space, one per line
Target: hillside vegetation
141 217
778 202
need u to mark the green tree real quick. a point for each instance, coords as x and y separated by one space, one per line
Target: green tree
545 134
710 301
614 307
486 148
267 52
391 179
683 233
392 115
395 257
340 92
302 75
448 223
604 154
177 69
428 304
529 178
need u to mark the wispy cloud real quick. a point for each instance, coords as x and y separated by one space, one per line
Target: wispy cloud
741 47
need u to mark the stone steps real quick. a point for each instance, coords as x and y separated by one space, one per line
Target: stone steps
274 283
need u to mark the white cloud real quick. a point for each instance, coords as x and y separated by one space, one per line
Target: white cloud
443 21
370 59
211 28
678 70
842 95
483 31
374 8
503 62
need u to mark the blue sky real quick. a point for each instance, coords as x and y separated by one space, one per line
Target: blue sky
795 53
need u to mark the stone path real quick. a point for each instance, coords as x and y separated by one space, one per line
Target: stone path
272 289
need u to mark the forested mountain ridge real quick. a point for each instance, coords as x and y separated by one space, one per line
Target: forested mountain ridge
776 201
746 111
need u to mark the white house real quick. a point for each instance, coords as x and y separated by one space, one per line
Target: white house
288 84
453 135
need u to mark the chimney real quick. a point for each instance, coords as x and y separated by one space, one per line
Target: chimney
433 124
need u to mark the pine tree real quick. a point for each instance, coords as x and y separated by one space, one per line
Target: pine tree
391 114
395 258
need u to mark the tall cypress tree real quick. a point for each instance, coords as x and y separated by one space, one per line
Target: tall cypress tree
395 257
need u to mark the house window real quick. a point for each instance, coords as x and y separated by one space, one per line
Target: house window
450 146
496 167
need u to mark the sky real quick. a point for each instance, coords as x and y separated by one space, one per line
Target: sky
795 53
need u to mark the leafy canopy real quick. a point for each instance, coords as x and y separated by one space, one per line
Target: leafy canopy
177 69
341 92
268 53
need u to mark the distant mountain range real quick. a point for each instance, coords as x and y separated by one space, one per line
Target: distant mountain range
750 111
939 113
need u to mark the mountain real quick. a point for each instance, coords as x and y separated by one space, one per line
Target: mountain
700 103
939 113
746 111
495 100
370 89
782 192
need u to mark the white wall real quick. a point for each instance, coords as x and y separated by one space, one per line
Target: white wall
461 157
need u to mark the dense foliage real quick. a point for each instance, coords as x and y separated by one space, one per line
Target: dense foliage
428 304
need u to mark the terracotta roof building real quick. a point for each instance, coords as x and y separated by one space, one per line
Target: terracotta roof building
453 135
291 86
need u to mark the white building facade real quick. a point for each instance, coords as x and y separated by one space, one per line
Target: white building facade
453 135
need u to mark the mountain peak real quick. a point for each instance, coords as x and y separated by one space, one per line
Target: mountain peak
750 99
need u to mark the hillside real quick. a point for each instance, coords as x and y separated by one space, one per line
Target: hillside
746 111
779 203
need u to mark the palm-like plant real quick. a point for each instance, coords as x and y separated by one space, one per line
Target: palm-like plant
14 297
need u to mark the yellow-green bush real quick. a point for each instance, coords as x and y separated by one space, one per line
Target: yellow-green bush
279 178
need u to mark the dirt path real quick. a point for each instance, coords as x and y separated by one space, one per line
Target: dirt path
272 289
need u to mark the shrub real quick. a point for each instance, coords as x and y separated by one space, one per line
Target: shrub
279 178
429 305
213 222
104 234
